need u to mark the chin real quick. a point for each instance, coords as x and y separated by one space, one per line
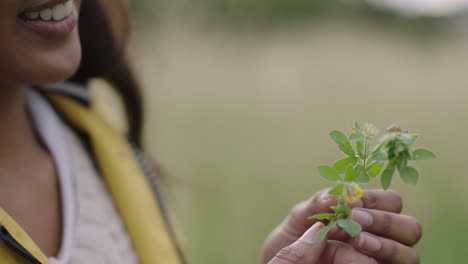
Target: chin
55 73
55 65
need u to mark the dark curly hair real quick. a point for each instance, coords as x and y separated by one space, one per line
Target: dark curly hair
104 57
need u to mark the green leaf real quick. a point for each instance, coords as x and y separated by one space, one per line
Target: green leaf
346 210
356 125
329 173
375 169
409 175
380 155
360 174
407 139
343 143
401 162
341 209
324 232
383 141
322 216
387 175
337 190
350 226
341 165
360 148
402 151
356 136
337 209
423 154
412 140
349 176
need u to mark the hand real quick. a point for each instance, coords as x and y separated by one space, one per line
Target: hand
306 250
387 236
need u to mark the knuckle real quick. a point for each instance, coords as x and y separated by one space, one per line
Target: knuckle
393 250
290 255
384 200
318 203
387 221
298 210
322 200
318 198
370 201
297 221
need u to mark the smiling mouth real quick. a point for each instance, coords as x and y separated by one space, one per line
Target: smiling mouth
56 12
56 18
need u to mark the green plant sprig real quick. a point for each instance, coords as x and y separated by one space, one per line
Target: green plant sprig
393 151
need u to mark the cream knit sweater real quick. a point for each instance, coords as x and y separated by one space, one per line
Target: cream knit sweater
100 236
93 232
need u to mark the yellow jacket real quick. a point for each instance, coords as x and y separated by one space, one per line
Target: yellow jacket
131 185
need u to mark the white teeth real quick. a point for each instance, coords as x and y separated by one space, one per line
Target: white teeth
57 12
46 14
69 7
32 15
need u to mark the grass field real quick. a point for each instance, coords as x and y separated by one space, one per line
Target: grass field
240 121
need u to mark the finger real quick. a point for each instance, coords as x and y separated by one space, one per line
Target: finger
340 253
297 221
389 201
339 235
306 250
385 250
402 228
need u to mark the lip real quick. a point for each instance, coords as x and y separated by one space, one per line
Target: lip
42 6
52 28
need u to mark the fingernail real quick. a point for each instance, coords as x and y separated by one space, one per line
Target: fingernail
310 236
363 218
369 243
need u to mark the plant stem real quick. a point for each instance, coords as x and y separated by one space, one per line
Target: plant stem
365 153
342 204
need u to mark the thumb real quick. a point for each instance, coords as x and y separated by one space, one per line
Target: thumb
306 250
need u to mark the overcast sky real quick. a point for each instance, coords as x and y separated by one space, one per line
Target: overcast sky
423 7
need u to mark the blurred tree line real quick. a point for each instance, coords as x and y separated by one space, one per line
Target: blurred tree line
280 12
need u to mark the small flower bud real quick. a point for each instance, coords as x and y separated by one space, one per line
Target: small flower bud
394 128
352 192
370 130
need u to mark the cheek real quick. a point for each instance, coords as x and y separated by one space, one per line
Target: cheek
55 63
31 62
27 58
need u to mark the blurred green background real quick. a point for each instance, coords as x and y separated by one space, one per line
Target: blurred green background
241 96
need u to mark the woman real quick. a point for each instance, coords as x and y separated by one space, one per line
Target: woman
72 190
